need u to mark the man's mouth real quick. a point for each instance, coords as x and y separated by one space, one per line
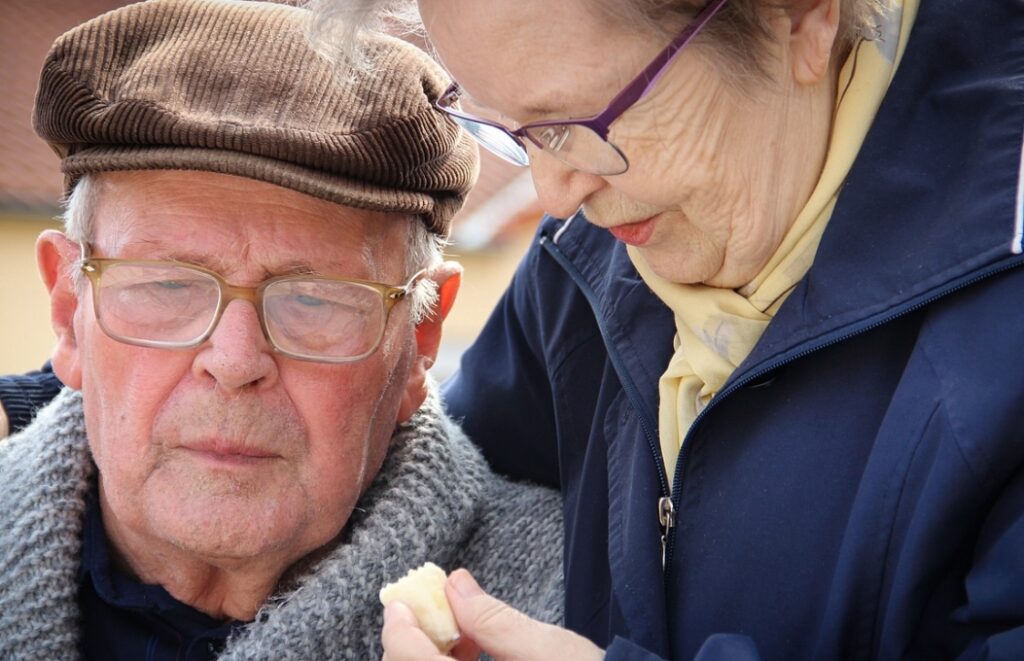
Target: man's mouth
229 452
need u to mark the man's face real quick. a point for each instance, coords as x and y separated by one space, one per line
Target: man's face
229 451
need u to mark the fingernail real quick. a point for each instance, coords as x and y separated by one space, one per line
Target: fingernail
465 584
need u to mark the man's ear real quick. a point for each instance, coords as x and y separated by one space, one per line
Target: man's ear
448 277
56 255
814 25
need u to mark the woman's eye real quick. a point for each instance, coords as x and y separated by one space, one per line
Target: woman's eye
554 137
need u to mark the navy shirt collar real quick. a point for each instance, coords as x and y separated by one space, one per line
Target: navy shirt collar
124 618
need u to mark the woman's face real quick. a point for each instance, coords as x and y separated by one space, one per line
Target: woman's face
717 172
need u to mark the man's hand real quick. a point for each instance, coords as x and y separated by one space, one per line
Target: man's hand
3 422
487 625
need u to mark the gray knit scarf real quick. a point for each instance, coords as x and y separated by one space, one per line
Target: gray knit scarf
434 499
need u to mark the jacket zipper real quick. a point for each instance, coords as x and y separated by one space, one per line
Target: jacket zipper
667 520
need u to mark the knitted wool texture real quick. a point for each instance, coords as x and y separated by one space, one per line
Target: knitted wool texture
235 88
434 499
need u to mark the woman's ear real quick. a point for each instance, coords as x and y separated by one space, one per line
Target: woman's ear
814 25
448 277
56 256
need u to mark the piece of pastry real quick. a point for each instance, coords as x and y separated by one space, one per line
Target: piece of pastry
422 590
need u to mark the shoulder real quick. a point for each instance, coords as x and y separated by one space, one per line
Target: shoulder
49 452
47 474
971 344
21 396
515 548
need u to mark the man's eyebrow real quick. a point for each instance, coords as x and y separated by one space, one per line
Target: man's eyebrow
297 268
219 265
216 264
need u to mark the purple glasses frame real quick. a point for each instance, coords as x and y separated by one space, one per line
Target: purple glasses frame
600 123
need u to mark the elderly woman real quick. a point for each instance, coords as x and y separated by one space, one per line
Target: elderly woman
768 342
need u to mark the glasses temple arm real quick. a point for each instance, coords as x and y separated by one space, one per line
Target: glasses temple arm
652 73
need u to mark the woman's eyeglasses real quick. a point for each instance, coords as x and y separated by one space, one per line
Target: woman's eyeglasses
580 143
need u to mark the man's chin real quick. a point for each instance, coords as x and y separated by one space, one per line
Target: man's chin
227 520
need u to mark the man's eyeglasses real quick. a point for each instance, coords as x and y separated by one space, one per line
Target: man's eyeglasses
581 143
174 305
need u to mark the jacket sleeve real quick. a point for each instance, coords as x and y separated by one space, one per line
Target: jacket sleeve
992 617
22 395
501 394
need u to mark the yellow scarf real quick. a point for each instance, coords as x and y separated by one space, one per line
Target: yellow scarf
716 329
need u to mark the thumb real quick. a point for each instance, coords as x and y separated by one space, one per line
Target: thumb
505 633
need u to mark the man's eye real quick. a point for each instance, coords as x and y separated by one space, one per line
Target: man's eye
159 288
172 285
310 301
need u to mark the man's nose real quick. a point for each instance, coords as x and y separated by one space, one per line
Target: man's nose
561 189
237 354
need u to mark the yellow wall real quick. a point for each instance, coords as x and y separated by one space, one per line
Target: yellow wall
487 274
25 335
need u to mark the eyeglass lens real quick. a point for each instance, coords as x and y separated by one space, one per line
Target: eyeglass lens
580 147
176 306
573 144
321 318
495 139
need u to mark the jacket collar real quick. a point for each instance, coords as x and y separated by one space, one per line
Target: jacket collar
637 327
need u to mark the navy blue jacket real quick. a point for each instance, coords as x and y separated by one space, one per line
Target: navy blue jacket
856 490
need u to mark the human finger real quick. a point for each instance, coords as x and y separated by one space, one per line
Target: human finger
402 637
506 633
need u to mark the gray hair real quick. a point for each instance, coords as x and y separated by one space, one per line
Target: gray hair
337 24
740 31
424 250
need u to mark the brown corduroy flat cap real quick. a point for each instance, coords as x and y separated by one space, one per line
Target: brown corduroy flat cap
233 86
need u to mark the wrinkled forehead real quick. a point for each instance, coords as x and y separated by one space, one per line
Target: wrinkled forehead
242 228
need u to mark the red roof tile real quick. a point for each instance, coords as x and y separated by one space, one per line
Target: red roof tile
30 176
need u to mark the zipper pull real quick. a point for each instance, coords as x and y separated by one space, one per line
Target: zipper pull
667 519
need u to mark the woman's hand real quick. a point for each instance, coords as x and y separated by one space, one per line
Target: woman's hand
487 625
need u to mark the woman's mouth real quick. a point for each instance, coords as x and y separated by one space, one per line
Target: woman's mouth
634 234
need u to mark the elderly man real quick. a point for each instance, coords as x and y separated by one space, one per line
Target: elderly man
247 298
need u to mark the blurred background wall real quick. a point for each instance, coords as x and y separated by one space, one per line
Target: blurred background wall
489 235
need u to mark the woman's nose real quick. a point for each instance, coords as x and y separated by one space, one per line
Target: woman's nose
561 189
